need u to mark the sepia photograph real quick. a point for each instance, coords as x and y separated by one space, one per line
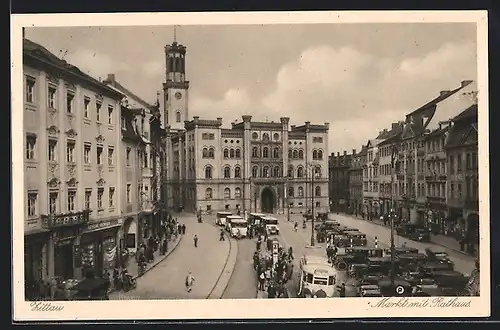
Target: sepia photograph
244 161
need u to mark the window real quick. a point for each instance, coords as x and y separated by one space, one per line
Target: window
32 200
70 206
208 172
128 157
100 193
211 153
227 193
99 155
30 89
255 136
237 193
317 172
265 152
295 154
98 107
276 136
237 172
30 146
70 152
88 198
226 153
53 198
178 116
276 153
86 153
300 172
110 114
301 154
277 172
290 192
300 192
320 154
86 103
70 96
265 172
111 197
208 193
231 153
265 137
238 153
128 194
227 172
51 97
459 190
255 152
459 163
52 150
124 123
315 154
255 171
204 153
110 156
290 171
290 154
317 191
452 190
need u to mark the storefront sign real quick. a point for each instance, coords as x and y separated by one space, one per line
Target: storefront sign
103 224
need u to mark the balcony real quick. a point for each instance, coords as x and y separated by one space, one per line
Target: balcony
53 221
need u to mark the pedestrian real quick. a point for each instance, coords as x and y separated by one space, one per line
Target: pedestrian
179 229
189 282
342 291
183 229
195 239
262 281
268 275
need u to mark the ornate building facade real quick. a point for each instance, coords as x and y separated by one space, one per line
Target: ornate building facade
72 165
258 166
338 167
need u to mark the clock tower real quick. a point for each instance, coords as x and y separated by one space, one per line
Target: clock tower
175 89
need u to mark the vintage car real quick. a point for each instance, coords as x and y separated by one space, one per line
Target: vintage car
432 267
357 270
407 260
380 265
344 260
322 216
370 291
414 232
367 252
342 229
450 279
439 256
350 238
426 287
400 287
401 250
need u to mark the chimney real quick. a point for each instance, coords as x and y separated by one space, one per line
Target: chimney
440 126
292 126
219 120
111 77
465 83
442 93
354 152
345 152
338 154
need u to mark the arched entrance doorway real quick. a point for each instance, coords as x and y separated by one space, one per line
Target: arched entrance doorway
267 200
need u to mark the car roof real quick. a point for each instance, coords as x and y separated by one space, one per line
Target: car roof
268 217
224 213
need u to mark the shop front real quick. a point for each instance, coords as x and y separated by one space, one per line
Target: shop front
131 234
98 247
35 263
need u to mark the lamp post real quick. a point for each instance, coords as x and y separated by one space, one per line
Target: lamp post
314 168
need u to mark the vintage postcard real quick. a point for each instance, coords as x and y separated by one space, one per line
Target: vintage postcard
250 165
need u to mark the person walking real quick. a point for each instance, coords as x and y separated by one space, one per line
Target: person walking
189 282
179 229
342 291
195 239
183 229
262 281
222 236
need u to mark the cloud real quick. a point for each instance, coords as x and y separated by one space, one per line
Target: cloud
153 68
94 63
357 93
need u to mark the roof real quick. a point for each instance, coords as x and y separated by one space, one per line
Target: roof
119 87
437 132
469 113
442 96
43 55
460 134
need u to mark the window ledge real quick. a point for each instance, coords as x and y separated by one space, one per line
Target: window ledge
86 120
31 161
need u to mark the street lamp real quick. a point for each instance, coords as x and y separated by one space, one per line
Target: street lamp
313 175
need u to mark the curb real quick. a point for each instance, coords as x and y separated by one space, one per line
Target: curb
233 251
433 242
154 265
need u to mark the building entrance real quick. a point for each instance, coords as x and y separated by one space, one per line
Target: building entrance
267 200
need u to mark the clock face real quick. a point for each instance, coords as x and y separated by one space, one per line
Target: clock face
178 95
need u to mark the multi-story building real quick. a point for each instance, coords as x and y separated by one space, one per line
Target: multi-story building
71 125
412 154
388 193
138 176
356 181
261 166
370 177
435 177
338 167
462 184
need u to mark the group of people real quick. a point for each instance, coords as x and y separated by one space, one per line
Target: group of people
272 277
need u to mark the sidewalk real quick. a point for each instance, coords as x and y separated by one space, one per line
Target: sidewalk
441 240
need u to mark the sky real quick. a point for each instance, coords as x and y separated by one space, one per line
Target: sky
358 77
